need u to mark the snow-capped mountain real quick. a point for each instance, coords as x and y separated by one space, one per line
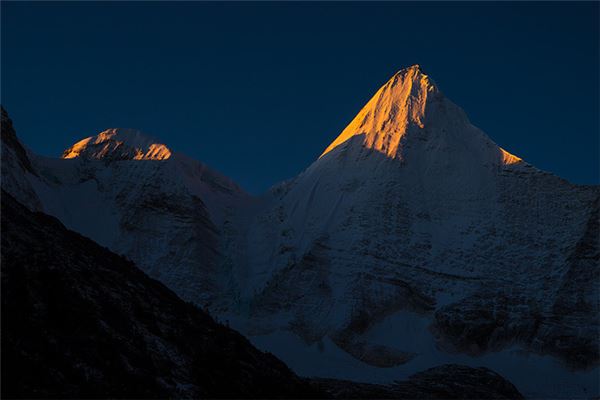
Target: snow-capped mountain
414 236
133 195
412 241
119 144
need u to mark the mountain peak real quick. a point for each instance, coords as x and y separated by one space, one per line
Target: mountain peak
413 69
119 144
416 67
413 76
410 114
398 107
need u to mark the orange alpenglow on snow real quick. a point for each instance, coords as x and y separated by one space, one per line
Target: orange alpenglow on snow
121 144
409 104
509 159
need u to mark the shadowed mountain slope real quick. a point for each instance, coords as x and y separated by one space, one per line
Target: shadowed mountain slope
80 321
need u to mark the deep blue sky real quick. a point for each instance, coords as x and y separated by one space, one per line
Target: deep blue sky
258 90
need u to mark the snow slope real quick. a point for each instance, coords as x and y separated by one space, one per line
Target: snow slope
412 219
412 209
130 193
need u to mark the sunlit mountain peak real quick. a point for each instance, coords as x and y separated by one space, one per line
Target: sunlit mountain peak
412 74
410 112
397 106
119 144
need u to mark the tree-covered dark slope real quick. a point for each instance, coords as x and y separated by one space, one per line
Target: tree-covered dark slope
80 321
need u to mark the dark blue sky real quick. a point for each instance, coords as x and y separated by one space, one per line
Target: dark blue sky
258 90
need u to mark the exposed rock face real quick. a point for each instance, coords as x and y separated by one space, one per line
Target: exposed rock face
445 382
571 327
81 322
565 324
